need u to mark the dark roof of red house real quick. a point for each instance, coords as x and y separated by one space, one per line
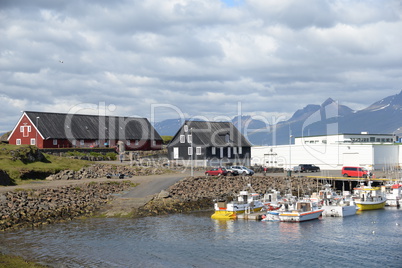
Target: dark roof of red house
78 126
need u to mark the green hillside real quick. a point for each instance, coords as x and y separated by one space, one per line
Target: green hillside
19 163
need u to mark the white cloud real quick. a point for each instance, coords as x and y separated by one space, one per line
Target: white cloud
200 56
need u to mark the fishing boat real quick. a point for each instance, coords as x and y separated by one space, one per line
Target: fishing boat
304 211
335 205
368 197
272 200
246 203
393 193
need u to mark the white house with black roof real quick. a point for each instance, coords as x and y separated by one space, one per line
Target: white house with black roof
209 144
59 130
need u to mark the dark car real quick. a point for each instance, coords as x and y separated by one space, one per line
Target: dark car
216 172
306 168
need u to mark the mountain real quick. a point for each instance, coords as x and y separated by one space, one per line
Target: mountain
382 117
168 127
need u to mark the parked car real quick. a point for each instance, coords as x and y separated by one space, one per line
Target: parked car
360 172
216 172
242 170
232 172
306 168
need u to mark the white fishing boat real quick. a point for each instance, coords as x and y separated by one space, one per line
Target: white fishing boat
393 194
246 203
304 211
335 205
272 200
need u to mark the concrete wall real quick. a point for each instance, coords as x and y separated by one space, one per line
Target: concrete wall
328 156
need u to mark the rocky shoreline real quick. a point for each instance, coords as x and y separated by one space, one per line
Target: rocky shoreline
36 207
96 171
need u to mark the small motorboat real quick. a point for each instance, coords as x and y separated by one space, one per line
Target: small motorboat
335 205
304 210
272 200
369 198
246 203
393 193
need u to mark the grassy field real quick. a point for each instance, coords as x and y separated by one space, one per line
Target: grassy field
23 163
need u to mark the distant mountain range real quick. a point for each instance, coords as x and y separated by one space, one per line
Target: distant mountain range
382 117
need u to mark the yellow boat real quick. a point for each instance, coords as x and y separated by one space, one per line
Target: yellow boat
369 198
246 202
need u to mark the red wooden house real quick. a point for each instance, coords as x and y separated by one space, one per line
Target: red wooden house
57 130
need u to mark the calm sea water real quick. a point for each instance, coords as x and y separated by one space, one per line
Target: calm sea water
370 239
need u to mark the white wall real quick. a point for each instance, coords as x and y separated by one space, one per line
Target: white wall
327 156
387 157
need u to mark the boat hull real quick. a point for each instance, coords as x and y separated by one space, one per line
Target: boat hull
226 214
300 216
370 205
339 211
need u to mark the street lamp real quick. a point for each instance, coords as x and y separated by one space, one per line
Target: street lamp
290 152
37 129
191 143
393 134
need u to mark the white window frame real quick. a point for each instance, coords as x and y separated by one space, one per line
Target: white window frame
136 142
33 141
154 142
213 150
128 142
74 142
18 142
190 138
182 139
198 151
175 152
190 150
221 152
234 150
185 128
82 142
229 152
240 150
29 128
54 141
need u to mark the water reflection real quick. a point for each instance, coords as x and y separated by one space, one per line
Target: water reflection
289 229
223 225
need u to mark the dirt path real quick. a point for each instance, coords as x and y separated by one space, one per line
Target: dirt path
135 197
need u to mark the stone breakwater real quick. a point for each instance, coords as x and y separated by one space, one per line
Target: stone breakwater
36 207
198 193
103 170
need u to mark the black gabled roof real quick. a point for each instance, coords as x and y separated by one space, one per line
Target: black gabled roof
207 133
79 126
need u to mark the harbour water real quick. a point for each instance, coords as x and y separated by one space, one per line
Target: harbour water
369 239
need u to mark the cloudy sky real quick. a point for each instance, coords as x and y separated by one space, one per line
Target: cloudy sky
196 58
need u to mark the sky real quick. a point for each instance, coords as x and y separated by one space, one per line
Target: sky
206 59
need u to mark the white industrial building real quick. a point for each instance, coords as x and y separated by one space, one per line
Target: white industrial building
331 152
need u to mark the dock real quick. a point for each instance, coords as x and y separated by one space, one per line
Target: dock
257 216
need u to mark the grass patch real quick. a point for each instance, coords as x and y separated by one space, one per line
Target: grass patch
15 261
24 162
